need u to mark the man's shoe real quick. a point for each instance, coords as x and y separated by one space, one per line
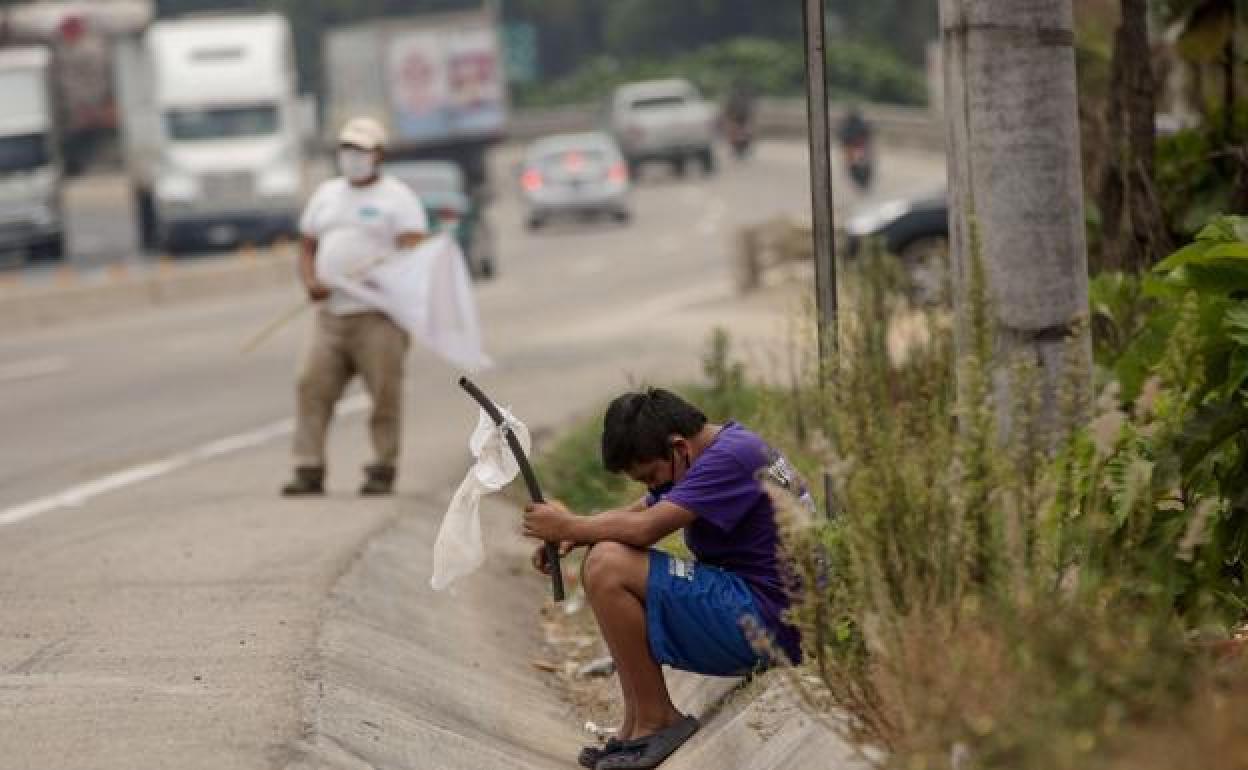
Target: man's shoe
308 481
378 480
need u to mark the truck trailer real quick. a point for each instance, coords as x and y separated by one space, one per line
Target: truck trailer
436 81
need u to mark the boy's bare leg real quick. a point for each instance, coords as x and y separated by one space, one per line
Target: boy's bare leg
615 582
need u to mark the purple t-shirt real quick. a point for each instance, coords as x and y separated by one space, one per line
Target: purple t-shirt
736 525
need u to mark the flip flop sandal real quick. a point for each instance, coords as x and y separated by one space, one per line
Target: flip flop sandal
651 750
591 754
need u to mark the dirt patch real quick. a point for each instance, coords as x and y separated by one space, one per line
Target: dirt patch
571 643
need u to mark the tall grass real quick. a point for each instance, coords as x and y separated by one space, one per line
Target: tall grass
984 597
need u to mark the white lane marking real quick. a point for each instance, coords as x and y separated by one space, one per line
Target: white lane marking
35 367
80 494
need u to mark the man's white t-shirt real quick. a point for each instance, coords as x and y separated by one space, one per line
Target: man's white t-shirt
357 228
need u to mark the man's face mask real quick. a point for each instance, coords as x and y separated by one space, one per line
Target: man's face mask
356 165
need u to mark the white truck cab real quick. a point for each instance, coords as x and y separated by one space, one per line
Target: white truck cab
213 130
31 170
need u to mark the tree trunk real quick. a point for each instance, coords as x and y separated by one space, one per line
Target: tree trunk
1015 184
1228 83
1132 223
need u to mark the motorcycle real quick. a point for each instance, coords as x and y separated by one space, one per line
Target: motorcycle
740 137
859 163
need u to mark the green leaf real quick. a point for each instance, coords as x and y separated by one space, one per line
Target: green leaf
1207 429
1227 251
1236 322
1224 229
1193 252
1217 276
1236 373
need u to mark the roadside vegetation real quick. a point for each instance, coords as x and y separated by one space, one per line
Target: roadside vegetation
583 47
769 67
1067 599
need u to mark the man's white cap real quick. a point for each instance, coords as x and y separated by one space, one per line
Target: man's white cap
365 133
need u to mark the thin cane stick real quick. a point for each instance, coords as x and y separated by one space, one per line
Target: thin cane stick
275 325
526 470
294 311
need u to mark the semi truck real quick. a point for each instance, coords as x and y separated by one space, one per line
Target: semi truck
211 130
31 168
78 36
436 81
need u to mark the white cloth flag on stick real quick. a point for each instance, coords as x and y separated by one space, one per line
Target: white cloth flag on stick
459 549
428 291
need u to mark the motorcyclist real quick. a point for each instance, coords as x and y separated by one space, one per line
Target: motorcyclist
738 117
855 135
854 129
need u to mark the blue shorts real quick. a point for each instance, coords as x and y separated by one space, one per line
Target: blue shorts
693 618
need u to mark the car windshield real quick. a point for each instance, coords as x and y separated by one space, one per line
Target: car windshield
188 125
573 159
428 179
658 102
24 152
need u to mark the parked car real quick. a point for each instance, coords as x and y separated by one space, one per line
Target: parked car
575 175
440 185
666 121
916 230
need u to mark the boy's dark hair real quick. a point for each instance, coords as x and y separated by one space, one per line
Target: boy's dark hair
638 426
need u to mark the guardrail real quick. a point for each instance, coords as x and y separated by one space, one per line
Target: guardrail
780 118
72 297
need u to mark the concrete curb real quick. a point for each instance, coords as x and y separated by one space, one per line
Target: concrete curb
758 728
73 298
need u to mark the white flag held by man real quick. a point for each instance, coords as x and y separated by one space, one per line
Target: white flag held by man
426 290
459 549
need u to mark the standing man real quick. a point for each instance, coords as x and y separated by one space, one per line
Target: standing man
351 224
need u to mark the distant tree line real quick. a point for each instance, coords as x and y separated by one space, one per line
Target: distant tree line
572 32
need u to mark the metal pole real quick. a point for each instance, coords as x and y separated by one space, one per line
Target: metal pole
821 195
820 176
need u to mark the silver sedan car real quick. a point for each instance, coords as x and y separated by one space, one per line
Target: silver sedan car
580 176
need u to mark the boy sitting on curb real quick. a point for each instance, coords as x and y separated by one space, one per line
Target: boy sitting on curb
654 609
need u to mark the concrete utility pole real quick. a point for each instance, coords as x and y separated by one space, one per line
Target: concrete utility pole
820 174
1014 174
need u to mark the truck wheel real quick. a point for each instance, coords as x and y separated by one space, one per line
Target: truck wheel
481 250
679 166
634 170
707 156
147 224
50 250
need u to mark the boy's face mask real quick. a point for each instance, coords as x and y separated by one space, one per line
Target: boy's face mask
663 487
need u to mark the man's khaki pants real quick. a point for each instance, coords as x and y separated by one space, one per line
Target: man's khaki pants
368 344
